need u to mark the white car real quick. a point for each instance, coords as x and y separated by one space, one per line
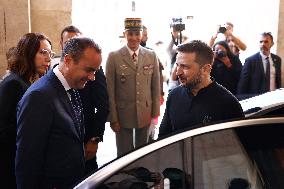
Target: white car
239 154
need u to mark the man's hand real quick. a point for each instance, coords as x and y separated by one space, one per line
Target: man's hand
115 127
91 149
228 33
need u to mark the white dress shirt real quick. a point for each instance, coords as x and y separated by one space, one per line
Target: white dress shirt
272 70
62 80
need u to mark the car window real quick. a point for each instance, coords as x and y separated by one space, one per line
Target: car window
265 147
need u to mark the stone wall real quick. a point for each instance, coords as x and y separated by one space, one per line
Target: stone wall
18 17
280 41
50 17
14 22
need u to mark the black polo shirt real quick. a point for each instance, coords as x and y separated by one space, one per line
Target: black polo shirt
184 110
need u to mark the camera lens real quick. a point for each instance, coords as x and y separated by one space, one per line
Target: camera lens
221 54
222 29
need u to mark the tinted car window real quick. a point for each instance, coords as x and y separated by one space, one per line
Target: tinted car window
265 147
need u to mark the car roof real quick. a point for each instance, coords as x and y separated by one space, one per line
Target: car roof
261 104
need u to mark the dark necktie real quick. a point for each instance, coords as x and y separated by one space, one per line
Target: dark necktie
134 55
267 73
78 110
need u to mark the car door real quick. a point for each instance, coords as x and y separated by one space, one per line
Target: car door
222 156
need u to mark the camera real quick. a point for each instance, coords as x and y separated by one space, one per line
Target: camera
222 29
177 24
221 54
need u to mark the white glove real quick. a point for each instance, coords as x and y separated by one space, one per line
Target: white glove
151 130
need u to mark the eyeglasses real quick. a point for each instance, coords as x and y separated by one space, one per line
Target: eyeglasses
46 53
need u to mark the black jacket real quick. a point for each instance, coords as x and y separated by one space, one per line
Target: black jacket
12 88
227 77
50 152
252 80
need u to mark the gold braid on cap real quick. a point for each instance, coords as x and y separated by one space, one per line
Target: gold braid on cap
133 23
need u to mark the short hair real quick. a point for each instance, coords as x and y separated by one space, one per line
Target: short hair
75 47
267 34
204 54
23 63
69 28
226 46
230 24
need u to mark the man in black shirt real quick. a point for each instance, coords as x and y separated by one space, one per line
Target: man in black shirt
199 99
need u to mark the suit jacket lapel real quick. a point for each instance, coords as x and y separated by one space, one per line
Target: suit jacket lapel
277 66
63 97
275 62
261 65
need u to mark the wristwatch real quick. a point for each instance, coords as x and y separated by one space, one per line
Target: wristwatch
95 140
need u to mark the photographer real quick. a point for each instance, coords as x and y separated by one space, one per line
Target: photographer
177 27
234 42
226 67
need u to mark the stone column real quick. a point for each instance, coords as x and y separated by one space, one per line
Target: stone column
280 39
50 17
14 22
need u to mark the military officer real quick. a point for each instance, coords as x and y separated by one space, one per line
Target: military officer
132 74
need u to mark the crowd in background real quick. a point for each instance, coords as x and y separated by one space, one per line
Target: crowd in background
53 115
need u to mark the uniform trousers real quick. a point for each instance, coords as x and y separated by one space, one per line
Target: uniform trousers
129 138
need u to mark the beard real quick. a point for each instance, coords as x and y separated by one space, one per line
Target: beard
264 50
194 82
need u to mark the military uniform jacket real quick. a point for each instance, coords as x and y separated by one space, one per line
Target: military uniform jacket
134 90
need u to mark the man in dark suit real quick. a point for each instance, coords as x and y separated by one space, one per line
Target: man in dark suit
262 71
50 136
95 106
